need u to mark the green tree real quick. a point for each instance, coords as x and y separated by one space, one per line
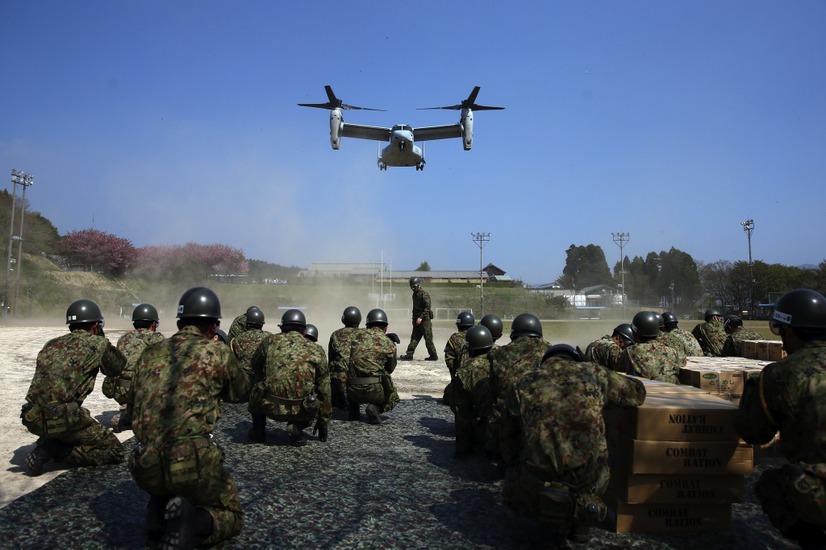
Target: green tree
584 266
424 266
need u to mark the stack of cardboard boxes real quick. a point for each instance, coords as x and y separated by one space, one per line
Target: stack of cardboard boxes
721 376
765 350
677 464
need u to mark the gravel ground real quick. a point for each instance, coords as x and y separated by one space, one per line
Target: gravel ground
391 486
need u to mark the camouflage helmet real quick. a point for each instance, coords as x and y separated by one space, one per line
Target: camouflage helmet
145 312
255 316
711 313
199 301
563 350
83 311
465 320
376 317
351 317
293 318
311 333
646 324
494 324
415 281
526 324
669 319
478 338
624 331
801 308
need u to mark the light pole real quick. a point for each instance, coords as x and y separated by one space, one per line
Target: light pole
24 179
748 227
620 239
481 239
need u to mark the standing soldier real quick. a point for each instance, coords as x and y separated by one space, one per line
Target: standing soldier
422 326
680 339
789 396
145 320
63 377
508 364
455 351
558 466
471 393
239 324
245 344
372 361
711 334
737 334
291 383
338 355
176 394
649 357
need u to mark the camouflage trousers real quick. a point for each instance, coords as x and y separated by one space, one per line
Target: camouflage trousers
192 469
383 394
792 494
425 329
338 388
92 443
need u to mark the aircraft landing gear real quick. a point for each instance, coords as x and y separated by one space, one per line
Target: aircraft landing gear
382 166
420 166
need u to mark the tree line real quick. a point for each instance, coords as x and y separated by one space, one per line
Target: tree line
674 280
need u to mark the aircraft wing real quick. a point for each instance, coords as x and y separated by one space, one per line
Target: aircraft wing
376 133
428 133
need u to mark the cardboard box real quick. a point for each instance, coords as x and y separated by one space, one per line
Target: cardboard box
766 350
678 416
688 458
676 489
668 518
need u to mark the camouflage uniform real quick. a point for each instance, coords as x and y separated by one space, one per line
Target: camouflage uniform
733 346
690 343
604 352
238 326
422 309
176 394
64 375
372 361
559 452
652 359
244 346
455 353
471 404
131 345
338 355
291 381
507 365
711 335
790 396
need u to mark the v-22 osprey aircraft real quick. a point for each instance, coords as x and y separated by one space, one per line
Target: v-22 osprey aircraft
402 150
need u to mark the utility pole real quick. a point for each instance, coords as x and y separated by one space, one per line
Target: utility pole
24 179
620 239
748 227
481 239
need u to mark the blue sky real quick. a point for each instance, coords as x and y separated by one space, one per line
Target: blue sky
176 121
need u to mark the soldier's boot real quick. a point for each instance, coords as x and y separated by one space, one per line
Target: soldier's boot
186 525
258 432
155 509
297 438
406 357
116 423
353 410
433 357
372 414
38 458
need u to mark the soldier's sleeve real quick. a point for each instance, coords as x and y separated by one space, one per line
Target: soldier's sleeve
113 361
624 362
728 347
510 439
237 383
623 391
322 384
390 363
426 301
258 363
754 421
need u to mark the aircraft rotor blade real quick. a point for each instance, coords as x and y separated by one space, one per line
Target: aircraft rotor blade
336 103
469 103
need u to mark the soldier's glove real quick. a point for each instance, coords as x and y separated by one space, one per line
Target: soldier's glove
322 431
394 337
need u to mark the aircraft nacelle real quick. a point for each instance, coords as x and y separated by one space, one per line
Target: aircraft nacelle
336 126
467 129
